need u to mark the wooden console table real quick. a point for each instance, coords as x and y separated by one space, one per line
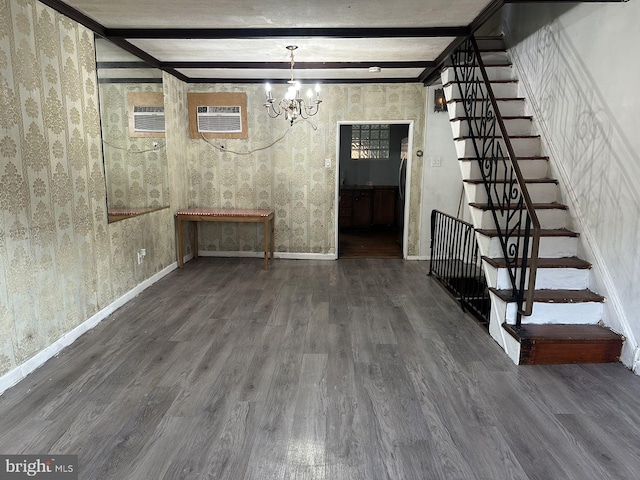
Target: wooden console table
195 215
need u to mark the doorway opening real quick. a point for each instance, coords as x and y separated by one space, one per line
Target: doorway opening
373 169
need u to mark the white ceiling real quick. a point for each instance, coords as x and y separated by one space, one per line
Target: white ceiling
356 34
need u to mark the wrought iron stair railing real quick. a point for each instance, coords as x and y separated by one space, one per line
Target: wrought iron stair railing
456 264
516 222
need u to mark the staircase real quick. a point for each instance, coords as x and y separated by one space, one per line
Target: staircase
564 324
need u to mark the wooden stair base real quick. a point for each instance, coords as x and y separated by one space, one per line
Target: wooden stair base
562 344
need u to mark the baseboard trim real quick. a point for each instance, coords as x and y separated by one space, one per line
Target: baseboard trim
283 255
14 376
419 257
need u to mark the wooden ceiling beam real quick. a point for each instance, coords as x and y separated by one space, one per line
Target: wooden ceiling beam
298 66
239 33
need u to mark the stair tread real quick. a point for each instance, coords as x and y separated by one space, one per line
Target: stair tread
563 332
549 232
453 82
512 117
465 159
501 99
556 344
467 137
561 262
478 181
554 296
537 206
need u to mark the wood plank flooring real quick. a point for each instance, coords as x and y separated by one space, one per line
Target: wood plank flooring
369 243
363 369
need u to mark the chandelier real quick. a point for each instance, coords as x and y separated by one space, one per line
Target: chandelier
293 105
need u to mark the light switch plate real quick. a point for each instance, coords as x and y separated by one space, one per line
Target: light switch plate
327 162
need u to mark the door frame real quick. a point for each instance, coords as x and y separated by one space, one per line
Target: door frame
407 183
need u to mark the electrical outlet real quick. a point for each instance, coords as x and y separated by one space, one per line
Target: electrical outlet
436 161
327 163
141 254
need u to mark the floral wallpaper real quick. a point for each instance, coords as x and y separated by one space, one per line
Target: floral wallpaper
136 172
290 176
60 262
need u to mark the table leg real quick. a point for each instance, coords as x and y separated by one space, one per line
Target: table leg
266 243
273 225
195 239
180 251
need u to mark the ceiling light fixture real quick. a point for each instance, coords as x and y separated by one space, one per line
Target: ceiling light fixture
293 105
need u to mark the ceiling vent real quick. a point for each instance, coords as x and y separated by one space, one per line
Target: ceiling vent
148 119
220 119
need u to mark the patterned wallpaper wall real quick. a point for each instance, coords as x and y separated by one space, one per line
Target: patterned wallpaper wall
136 172
59 260
290 176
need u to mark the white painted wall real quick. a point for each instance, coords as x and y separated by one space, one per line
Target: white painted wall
578 68
441 185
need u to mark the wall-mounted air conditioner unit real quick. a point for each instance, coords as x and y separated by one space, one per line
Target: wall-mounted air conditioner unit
219 119
148 119
217 115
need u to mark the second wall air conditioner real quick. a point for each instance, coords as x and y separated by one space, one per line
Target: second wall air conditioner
219 119
148 119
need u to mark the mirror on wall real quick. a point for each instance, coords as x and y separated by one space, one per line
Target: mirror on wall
132 118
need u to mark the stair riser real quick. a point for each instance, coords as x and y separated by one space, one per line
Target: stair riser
549 218
550 247
508 108
539 192
546 278
494 73
500 90
493 58
580 313
519 126
498 55
522 147
490 43
529 169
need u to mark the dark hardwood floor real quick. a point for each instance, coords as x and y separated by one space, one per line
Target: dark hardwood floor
352 370
369 243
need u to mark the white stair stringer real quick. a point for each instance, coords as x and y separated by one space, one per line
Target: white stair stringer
562 295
